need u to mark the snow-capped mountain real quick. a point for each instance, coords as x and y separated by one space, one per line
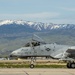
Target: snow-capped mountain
38 26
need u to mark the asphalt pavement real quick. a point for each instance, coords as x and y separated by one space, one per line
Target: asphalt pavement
36 71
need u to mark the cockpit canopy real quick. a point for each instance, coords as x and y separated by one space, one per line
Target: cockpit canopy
36 41
33 43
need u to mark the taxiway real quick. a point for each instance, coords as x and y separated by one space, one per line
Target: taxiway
36 71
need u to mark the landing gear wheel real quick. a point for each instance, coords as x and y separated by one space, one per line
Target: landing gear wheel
72 65
68 65
32 66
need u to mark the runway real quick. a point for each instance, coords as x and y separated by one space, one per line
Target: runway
36 71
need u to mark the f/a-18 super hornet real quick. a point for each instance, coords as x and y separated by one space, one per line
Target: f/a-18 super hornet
38 48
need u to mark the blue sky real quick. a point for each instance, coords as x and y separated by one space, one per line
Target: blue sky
54 11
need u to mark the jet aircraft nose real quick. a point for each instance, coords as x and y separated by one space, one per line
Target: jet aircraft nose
14 53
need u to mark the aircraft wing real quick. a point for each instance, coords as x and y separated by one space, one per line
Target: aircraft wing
71 51
69 54
64 53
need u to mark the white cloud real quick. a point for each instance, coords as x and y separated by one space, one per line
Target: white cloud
38 17
62 21
42 15
69 9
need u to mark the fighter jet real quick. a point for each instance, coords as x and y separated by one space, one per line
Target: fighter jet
38 48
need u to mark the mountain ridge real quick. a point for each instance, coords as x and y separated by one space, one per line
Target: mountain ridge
38 26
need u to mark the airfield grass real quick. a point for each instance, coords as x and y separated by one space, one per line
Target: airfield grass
27 65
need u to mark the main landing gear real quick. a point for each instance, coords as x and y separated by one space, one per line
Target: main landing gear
71 64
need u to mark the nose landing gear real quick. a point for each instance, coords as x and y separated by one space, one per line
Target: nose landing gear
33 60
